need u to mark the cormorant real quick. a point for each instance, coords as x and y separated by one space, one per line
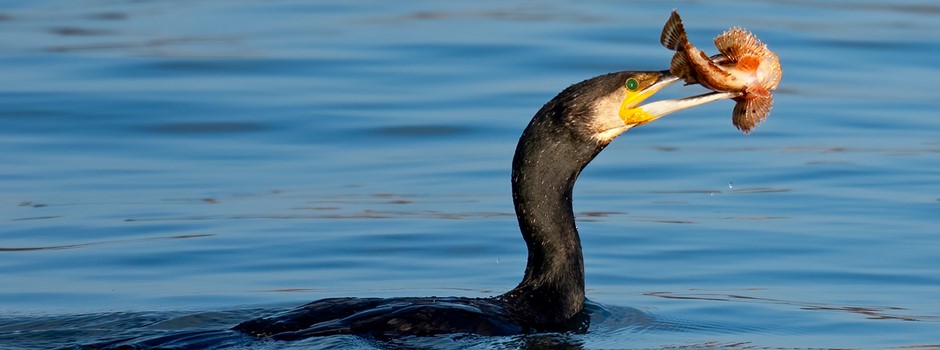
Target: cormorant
562 138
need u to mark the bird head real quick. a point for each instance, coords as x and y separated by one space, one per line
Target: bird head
621 109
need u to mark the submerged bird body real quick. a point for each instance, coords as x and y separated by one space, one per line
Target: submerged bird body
393 317
744 65
562 138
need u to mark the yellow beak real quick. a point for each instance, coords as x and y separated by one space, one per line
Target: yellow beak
633 115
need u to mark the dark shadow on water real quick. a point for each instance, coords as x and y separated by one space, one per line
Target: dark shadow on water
109 16
89 244
879 6
205 128
209 339
514 14
870 312
137 45
79 31
420 130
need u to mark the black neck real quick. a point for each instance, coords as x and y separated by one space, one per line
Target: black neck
550 155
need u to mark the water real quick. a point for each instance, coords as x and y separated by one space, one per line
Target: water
180 166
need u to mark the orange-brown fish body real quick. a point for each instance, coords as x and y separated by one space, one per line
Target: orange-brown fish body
744 65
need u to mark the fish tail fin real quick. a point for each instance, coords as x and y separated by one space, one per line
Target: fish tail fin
748 113
680 67
736 43
673 36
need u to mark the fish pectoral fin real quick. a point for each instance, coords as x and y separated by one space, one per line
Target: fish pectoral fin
748 113
748 63
680 67
757 90
673 36
735 43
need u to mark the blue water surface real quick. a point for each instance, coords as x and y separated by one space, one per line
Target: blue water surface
182 166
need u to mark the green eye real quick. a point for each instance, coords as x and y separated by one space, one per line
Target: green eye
632 84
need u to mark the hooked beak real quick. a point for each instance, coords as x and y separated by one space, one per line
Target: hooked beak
634 114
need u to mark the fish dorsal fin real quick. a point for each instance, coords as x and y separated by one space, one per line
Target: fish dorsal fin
680 67
735 43
673 36
748 113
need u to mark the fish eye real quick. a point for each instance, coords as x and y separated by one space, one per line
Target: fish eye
632 84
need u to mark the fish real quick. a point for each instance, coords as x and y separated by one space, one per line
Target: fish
744 65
